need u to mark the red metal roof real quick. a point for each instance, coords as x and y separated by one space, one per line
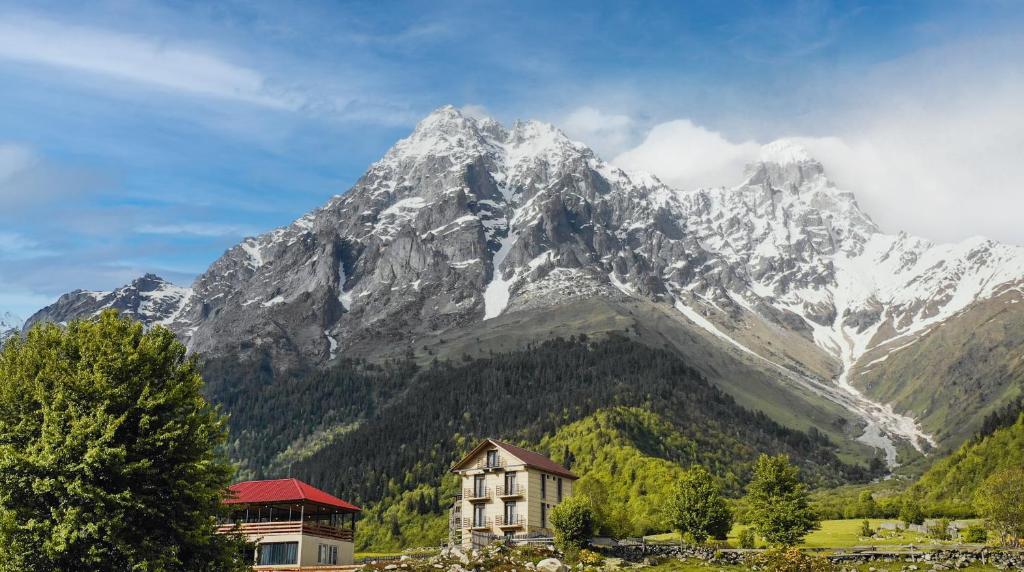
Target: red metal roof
281 491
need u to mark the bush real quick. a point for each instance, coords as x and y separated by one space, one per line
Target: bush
589 558
975 534
747 538
865 529
573 521
790 560
940 530
910 512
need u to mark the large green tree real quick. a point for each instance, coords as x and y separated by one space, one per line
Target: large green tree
109 454
779 504
697 508
1000 499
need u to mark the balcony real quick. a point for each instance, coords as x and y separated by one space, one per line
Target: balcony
491 464
511 491
478 525
262 529
477 495
514 521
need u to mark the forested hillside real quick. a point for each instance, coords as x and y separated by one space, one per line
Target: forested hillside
388 434
949 485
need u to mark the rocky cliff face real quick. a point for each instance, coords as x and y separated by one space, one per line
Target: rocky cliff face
149 299
466 220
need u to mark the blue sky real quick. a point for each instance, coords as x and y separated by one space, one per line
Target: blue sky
144 136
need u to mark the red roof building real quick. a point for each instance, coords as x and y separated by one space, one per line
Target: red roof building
292 523
284 491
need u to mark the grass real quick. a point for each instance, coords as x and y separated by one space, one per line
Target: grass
672 565
833 534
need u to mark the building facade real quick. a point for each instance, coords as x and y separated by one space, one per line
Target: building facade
506 491
294 525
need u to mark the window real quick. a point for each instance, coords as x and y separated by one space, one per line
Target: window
478 515
510 483
276 553
543 515
510 512
543 486
478 486
327 554
559 489
492 458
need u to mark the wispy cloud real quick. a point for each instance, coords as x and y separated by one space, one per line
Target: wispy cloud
142 59
196 229
15 246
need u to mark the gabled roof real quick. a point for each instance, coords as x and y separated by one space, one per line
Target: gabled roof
529 458
284 491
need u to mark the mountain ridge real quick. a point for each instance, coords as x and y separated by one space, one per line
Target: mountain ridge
466 220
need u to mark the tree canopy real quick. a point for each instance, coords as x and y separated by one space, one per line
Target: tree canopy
779 503
697 509
1000 499
109 454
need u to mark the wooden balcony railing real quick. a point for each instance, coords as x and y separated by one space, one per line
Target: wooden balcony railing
260 529
509 521
474 494
511 491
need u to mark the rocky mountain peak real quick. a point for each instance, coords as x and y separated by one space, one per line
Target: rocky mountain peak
787 165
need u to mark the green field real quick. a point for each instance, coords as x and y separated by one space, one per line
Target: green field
833 534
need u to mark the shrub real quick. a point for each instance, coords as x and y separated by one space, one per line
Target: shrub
589 558
975 534
939 530
910 512
790 560
573 521
865 529
747 538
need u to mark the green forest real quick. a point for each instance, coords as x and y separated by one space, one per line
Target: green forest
625 416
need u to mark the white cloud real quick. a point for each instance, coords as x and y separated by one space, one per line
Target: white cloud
931 144
146 60
475 111
688 156
15 246
196 229
606 133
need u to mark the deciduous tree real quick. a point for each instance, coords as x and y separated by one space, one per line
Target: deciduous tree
1000 499
109 454
697 508
779 507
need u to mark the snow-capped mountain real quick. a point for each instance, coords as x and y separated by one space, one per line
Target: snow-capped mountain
149 299
466 223
9 325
